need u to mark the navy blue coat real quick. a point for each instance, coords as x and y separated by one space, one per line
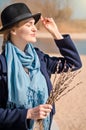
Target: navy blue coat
15 119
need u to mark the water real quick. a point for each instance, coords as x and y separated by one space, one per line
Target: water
47 45
81 46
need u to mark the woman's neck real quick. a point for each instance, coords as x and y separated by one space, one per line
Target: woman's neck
20 44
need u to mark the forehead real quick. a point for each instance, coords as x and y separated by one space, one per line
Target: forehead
24 22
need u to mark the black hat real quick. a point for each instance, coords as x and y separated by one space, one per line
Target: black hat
15 13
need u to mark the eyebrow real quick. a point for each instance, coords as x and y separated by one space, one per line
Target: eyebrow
30 21
27 21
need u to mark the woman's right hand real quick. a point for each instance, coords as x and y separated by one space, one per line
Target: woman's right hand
51 27
39 112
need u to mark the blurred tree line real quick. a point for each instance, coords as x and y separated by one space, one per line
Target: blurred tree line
58 9
50 8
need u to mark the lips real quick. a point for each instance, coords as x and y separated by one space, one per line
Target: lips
33 35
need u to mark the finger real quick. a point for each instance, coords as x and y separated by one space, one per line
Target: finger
44 115
48 19
40 112
40 115
42 108
47 106
42 18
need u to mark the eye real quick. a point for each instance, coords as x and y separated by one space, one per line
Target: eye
28 24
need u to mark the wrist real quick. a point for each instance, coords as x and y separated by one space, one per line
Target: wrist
57 36
28 114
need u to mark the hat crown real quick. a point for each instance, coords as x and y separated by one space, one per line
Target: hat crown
13 11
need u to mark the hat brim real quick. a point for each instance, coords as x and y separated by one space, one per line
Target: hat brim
20 18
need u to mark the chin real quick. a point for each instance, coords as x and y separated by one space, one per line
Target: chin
33 41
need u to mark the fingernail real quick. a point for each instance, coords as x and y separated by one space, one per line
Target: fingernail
51 107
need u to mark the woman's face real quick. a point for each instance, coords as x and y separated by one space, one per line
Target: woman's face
26 31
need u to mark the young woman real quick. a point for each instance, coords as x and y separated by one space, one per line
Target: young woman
25 71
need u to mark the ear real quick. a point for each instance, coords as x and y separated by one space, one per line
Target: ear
13 31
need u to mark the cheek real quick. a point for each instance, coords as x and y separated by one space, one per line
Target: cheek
24 32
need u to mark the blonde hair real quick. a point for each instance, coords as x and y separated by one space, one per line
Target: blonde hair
7 34
6 37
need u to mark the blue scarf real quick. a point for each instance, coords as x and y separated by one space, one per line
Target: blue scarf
25 91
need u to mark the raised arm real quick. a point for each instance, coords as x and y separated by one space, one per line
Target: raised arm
70 56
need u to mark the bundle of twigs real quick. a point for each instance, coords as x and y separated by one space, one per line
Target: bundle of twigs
61 86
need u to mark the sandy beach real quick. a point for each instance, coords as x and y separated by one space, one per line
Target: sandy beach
71 109
79 36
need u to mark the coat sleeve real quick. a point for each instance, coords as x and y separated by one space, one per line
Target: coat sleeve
11 119
70 57
69 53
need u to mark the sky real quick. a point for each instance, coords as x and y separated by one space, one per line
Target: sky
78 7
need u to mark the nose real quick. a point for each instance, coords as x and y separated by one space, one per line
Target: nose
34 28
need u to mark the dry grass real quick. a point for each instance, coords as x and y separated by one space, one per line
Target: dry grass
61 86
71 109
